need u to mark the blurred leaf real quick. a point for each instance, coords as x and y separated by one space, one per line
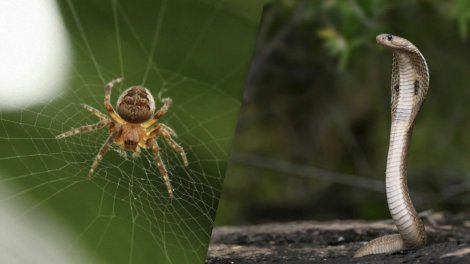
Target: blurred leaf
462 12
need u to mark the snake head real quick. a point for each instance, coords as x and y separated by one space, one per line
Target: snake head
395 42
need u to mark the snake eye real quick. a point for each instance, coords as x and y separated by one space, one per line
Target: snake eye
389 37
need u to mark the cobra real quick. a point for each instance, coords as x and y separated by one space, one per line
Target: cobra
410 81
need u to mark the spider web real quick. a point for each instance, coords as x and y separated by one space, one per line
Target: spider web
195 52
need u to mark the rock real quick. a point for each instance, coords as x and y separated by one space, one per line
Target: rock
336 242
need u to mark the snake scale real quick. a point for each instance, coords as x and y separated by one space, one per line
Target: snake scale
410 81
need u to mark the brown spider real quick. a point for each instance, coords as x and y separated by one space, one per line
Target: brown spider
130 127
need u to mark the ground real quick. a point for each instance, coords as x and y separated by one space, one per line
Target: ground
336 242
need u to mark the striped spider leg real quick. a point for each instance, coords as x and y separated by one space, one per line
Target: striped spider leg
84 129
105 121
104 148
95 111
161 112
166 132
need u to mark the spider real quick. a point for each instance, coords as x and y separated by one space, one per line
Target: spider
131 127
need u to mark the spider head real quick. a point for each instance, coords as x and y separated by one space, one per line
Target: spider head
136 105
130 145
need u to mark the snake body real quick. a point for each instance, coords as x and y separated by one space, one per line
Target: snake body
410 81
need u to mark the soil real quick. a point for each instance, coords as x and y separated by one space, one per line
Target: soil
336 242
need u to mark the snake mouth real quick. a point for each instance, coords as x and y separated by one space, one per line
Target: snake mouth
392 41
382 38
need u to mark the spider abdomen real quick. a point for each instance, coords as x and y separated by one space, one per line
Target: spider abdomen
136 105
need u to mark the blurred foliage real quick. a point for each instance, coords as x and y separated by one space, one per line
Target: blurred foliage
198 56
461 11
313 132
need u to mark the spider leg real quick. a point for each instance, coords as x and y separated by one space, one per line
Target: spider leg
104 148
167 132
122 153
95 111
83 129
107 100
161 166
136 154
166 105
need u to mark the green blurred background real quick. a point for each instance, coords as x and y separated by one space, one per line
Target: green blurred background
197 53
313 132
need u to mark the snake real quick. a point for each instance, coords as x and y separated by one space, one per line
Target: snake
409 86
